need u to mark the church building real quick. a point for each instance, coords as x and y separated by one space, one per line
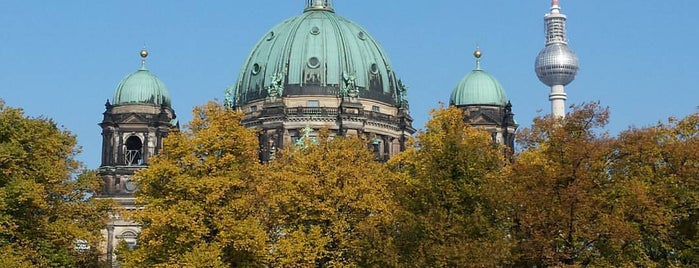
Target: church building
317 70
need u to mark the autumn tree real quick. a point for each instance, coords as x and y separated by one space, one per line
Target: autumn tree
329 205
195 193
48 217
561 180
208 202
451 196
581 197
659 167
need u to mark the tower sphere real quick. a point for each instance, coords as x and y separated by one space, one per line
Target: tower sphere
556 64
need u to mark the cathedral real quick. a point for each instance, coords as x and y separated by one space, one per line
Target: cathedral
312 71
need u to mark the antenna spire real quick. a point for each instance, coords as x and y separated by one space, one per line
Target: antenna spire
555 8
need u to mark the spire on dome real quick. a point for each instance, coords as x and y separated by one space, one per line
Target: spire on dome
319 5
478 54
144 55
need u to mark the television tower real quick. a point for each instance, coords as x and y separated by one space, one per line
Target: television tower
556 65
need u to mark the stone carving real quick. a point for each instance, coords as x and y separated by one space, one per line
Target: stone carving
305 137
228 102
276 87
350 85
403 95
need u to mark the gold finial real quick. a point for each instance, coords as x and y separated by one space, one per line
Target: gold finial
144 55
478 54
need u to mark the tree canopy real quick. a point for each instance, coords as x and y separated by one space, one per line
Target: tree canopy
209 202
451 217
196 196
572 195
583 198
48 216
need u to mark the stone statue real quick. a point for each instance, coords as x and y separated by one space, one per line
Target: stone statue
276 87
403 91
350 88
306 136
228 102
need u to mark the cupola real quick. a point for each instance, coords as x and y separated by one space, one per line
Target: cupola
478 88
142 87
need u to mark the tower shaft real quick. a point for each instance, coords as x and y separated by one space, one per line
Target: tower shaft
558 99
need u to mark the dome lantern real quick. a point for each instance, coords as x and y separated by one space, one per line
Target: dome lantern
319 5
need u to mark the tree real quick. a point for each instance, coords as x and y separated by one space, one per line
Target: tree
450 190
583 198
209 202
329 205
196 210
560 186
659 164
47 214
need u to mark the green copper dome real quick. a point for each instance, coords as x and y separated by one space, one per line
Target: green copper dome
141 87
478 88
317 53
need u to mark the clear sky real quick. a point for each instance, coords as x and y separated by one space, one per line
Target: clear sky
64 59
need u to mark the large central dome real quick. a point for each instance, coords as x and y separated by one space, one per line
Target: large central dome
317 53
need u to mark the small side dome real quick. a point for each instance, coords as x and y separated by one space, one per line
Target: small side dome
478 88
142 87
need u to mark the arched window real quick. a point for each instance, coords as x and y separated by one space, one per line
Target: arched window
129 237
133 154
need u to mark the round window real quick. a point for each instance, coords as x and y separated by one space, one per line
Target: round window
256 68
361 35
270 36
315 30
313 62
374 68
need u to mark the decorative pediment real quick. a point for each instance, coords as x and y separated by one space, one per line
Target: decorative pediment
480 118
133 119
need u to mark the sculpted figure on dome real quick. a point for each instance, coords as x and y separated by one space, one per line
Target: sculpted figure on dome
276 88
350 87
403 91
228 102
305 137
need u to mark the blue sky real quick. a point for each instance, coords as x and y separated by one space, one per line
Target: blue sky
63 59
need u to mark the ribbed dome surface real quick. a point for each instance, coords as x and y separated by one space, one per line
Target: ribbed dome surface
315 53
478 88
141 87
